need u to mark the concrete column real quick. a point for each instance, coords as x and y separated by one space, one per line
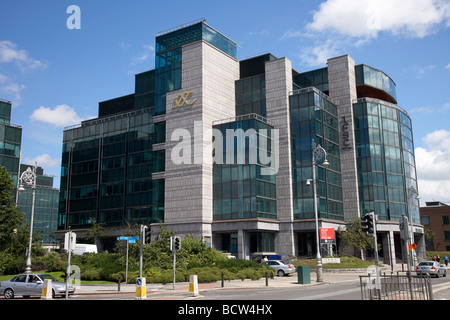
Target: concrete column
278 88
342 87
241 244
389 248
208 77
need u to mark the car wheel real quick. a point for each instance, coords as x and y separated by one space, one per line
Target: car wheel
445 273
280 273
9 294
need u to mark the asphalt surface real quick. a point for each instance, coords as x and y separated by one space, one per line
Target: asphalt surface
182 290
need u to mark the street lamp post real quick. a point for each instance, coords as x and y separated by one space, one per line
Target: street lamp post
318 154
28 178
412 192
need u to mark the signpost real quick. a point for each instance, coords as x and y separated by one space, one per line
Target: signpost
327 237
128 240
69 245
141 291
174 244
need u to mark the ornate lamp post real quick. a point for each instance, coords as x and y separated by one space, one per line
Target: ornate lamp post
412 192
318 154
28 178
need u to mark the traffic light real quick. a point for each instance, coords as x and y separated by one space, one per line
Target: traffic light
368 223
147 235
177 243
170 243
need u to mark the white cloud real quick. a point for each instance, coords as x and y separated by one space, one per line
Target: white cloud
338 25
60 116
433 166
319 53
431 110
262 33
11 90
146 52
421 71
43 160
10 53
291 33
367 18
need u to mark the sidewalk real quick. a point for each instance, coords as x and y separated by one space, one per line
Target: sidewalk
182 288
166 291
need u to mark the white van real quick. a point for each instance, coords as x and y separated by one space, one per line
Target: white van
82 248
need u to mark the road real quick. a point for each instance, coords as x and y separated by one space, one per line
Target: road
340 291
348 288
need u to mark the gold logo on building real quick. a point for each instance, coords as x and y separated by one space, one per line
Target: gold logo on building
183 99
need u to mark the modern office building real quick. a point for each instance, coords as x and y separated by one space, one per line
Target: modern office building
10 141
222 148
45 206
46 200
435 217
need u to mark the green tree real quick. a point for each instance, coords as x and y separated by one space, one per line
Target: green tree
96 231
354 236
13 231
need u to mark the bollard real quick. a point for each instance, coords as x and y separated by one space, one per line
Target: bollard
193 286
267 279
47 290
223 283
141 292
118 284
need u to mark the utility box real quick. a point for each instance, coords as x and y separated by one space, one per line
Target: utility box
304 274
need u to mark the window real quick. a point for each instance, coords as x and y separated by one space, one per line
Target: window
445 219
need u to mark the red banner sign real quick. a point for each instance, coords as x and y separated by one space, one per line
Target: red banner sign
327 234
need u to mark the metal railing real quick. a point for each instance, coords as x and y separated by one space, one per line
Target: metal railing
396 286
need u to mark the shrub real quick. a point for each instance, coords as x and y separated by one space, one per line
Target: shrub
158 275
248 274
90 274
11 264
206 274
50 262
115 276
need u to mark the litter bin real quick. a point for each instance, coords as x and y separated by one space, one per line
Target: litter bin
304 274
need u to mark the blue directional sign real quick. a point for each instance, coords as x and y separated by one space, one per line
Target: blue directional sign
131 239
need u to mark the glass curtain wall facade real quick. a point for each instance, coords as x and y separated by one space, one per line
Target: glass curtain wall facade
385 158
107 168
313 117
45 205
169 57
370 78
10 141
114 167
241 191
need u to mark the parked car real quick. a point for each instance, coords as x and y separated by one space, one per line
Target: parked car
258 258
31 285
281 268
433 268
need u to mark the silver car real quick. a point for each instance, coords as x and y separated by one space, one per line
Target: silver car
433 268
280 267
32 284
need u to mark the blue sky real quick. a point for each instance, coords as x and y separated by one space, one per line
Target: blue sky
56 76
